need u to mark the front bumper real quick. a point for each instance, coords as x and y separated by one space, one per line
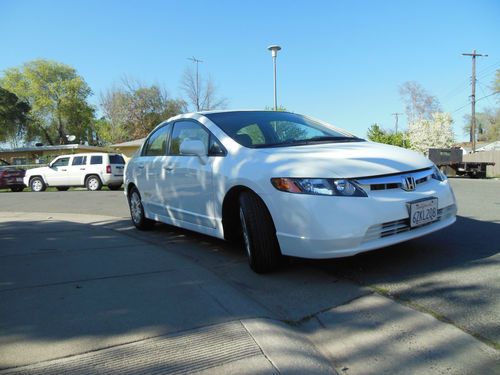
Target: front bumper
309 226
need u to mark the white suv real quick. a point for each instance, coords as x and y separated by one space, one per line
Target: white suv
92 170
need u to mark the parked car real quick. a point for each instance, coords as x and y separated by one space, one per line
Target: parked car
92 170
11 177
286 184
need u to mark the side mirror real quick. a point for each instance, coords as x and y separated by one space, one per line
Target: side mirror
194 147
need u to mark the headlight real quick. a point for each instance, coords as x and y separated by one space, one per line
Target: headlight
438 174
319 186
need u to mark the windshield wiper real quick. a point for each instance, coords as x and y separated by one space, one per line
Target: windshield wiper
310 141
328 138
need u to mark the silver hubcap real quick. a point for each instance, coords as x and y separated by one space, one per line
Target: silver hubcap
246 238
36 185
93 183
135 207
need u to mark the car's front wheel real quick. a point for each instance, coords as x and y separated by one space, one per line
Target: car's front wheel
259 234
37 184
93 183
137 211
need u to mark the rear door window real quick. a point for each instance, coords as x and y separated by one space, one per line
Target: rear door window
79 160
96 159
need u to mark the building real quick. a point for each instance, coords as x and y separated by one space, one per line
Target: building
494 146
128 148
44 154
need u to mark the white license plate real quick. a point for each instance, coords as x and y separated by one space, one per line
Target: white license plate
19 179
423 212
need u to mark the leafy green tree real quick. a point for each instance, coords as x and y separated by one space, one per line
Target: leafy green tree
102 131
487 125
134 109
487 121
57 96
377 134
14 117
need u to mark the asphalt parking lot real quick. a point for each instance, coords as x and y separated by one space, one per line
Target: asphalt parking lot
76 278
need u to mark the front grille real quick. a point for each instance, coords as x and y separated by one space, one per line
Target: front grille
399 226
394 181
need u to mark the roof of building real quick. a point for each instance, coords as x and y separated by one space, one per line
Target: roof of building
490 146
135 142
74 146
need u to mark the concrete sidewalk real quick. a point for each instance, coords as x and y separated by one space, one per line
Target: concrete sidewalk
87 294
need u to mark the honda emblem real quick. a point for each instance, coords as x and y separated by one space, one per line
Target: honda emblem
408 183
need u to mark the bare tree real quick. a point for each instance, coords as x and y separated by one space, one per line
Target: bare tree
420 105
134 108
201 93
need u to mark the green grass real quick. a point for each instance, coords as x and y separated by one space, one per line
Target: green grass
53 189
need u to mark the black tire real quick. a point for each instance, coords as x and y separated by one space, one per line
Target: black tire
137 211
62 188
93 183
17 189
259 234
114 187
37 185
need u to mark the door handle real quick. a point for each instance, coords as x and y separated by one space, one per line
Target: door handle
64 170
168 168
140 166
82 169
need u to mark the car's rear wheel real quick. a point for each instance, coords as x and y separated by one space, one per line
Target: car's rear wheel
114 187
17 189
259 234
37 184
137 211
93 183
62 188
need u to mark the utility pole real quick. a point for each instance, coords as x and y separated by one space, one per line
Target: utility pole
473 98
396 117
197 61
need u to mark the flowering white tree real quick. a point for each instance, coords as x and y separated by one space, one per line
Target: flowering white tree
434 133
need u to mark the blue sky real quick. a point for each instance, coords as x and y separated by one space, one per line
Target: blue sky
342 61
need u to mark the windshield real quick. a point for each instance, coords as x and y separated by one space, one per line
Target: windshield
260 129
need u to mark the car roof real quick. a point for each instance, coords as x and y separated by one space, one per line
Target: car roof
196 115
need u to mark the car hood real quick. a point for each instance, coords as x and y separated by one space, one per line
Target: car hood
343 160
33 171
10 168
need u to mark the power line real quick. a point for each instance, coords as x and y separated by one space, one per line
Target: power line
489 67
482 87
458 109
487 96
481 98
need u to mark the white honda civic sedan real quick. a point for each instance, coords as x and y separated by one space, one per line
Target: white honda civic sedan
285 184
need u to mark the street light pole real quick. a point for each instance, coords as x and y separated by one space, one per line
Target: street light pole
274 52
